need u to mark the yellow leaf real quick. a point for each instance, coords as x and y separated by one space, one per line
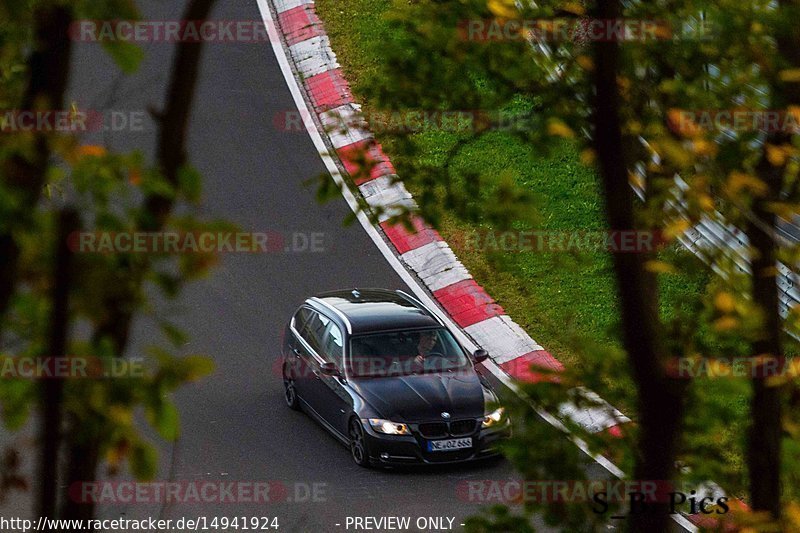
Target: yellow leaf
676 152
585 62
776 155
790 75
793 514
793 368
113 456
716 368
659 267
726 323
636 180
725 302
663 31
588 156
705 202
682 122
634 127
676 228
91 150
120 415
572 7
740 182
559 129
704 147
503 8
135 176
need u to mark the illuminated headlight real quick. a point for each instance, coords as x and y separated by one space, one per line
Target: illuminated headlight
493 418
388 427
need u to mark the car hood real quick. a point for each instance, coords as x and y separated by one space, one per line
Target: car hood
425 397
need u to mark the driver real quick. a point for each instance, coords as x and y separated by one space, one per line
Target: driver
427 340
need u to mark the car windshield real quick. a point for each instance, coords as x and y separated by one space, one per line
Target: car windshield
402 353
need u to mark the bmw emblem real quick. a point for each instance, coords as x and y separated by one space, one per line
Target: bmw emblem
445 415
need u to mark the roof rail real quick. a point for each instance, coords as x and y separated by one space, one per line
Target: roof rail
338 313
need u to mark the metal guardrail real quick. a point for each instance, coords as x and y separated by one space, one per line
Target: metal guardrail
713 236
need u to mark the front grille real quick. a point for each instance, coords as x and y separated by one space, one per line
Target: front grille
462 427
457 428
433 430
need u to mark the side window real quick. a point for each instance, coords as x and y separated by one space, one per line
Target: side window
314 331
333 345
301 318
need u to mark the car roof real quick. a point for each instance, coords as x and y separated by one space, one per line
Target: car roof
373 310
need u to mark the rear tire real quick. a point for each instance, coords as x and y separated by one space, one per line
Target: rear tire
358 444
290 394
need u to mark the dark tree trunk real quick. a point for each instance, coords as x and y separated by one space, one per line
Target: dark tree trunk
52 389
24 177
764 439
659 399
764 442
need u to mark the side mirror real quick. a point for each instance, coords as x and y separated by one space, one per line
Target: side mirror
480 356
328 369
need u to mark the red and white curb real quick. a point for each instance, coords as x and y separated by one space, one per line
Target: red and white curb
479 321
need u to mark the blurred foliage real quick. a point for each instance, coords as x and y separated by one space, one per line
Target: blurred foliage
109 190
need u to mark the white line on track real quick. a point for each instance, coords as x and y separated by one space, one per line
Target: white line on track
391 258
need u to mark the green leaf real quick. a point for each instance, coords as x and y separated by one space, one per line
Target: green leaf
197 366
126 55
191 182
165 419
175 335
144 461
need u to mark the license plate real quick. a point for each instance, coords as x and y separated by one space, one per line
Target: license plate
449 444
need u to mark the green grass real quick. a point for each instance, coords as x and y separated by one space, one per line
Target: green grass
563 301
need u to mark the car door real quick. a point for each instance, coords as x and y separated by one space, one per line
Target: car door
300 355
335 401
315 388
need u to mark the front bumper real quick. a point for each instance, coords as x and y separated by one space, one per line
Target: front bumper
412 449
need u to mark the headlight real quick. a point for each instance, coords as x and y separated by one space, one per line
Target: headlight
493 418
388 427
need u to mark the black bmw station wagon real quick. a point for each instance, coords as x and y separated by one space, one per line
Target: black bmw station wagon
385 376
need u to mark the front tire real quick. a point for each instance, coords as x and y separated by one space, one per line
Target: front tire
358 444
